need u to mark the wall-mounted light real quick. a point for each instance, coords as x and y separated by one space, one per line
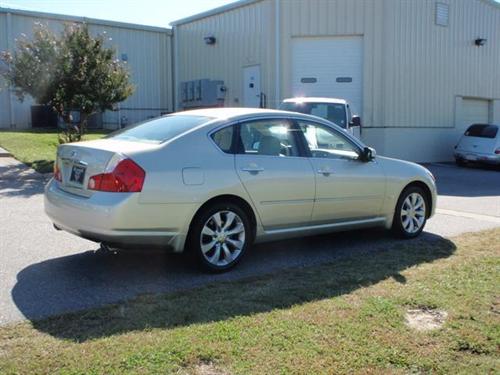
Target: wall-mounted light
480 42
210 40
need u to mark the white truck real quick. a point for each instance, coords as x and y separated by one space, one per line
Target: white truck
334 110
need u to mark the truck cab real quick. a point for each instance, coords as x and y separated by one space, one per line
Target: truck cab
334 110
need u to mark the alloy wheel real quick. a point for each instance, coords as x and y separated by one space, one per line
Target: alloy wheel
413 213
222 238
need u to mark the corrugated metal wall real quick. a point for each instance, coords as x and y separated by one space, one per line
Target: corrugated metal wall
414 71
410 63
244 37
148 54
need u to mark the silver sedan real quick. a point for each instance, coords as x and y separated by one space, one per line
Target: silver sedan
215 181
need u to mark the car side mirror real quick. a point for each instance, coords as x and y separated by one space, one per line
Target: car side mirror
368 154
355 121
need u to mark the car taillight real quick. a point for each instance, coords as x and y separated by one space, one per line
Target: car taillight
497 151
57 172
126 177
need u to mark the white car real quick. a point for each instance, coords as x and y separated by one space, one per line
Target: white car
480 143
214 181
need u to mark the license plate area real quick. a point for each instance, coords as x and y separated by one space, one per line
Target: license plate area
471 157
77 174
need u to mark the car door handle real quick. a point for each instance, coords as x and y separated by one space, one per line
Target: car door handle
325 172
252 169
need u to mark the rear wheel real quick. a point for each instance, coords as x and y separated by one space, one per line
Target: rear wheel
410 215
219 236
461 162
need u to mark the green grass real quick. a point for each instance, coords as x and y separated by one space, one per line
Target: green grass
36 147
343 317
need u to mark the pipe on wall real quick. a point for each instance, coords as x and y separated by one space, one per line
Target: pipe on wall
10 48
277 45
175 61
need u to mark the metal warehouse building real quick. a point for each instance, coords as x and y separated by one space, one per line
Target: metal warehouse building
146 50
417 71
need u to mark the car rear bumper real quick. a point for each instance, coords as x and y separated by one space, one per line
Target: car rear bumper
116 218
477 157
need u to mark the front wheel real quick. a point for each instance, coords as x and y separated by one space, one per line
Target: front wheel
410 215
220 236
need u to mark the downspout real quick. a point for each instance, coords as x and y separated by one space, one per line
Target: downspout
10 48
277 59
175 60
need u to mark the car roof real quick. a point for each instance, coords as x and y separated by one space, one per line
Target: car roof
481 124
225 113
315 100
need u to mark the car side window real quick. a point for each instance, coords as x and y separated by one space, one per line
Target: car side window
324 142
268 137
223 138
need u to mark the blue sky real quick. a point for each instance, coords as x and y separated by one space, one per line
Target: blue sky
147 12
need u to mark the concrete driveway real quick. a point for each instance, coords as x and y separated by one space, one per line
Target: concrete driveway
45 272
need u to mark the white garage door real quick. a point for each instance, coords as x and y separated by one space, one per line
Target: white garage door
330 67
475 111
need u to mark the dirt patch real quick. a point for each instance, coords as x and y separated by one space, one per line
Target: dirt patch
425 319
495 306
208 368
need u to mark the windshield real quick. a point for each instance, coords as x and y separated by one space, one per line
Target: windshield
333 112
160 129
482 131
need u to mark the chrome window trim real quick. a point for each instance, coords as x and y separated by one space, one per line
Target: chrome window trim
273 116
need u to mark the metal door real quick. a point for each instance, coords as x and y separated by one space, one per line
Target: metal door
251 86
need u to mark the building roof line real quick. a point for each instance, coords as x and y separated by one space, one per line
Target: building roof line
212 12
492 2
242 3
90 21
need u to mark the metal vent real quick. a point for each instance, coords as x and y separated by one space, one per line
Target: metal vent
442 14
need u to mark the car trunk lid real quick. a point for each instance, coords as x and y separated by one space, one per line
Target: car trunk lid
479 138
477 144
77 162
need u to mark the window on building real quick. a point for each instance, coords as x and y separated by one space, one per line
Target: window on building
442 13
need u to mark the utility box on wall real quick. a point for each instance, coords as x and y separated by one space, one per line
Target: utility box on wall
202 93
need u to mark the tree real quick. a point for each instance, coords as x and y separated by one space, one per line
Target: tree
74 71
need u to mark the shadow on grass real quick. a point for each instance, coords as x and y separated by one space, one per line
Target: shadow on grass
262 283
42 166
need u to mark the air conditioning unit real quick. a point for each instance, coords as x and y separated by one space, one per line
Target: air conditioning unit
202 93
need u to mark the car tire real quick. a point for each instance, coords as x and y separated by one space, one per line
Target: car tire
106 249
410 215
219 237
461 162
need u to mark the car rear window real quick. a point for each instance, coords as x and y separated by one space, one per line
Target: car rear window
160 129
482 131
